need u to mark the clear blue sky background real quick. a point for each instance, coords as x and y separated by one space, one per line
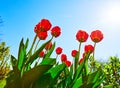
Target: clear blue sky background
20 17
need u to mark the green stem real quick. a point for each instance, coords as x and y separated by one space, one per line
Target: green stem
30 51
86 67
74 66
36 45
93 60
77 58
79 50
94 51
37 62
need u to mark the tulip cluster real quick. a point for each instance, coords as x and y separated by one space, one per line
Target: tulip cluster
64 58
82 36
47 72
42 28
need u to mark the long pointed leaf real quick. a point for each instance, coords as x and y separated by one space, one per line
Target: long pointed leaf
76 61
26 44
21 45
78 83
55 71
78 71
36 54
21 54
48 61
44 82
14 64
99 82
32 75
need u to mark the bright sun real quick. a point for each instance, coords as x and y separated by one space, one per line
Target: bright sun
111 14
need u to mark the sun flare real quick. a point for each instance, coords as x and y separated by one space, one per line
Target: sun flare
111 14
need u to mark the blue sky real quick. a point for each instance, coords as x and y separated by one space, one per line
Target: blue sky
20 17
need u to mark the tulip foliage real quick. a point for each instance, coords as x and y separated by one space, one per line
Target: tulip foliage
36 68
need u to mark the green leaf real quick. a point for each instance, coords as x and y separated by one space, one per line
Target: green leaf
71 69
50 51
21 55
48 61
76 61
86 57
36 54
13 61
28 67
99 81
26 44
21 45
84 85
86 67
48 79
13 80
14 64
55 71
78 72
98 74
91 77
69 80
44 81
96 78
78 83
32 75
70 76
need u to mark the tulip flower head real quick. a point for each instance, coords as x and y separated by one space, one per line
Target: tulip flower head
73 53
96 36
58 50
88 48
81 60
41 54
81 36
44 25
48 46
63 57
56 31
42 35
68 63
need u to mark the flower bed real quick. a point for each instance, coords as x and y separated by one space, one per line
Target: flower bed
35 68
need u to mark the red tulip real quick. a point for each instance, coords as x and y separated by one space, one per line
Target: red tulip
81 60
41 54
42 35
68 63
82 36
36 30
63 57
96 36
88 48
74 52
48 46
58 50
44 25
56 31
